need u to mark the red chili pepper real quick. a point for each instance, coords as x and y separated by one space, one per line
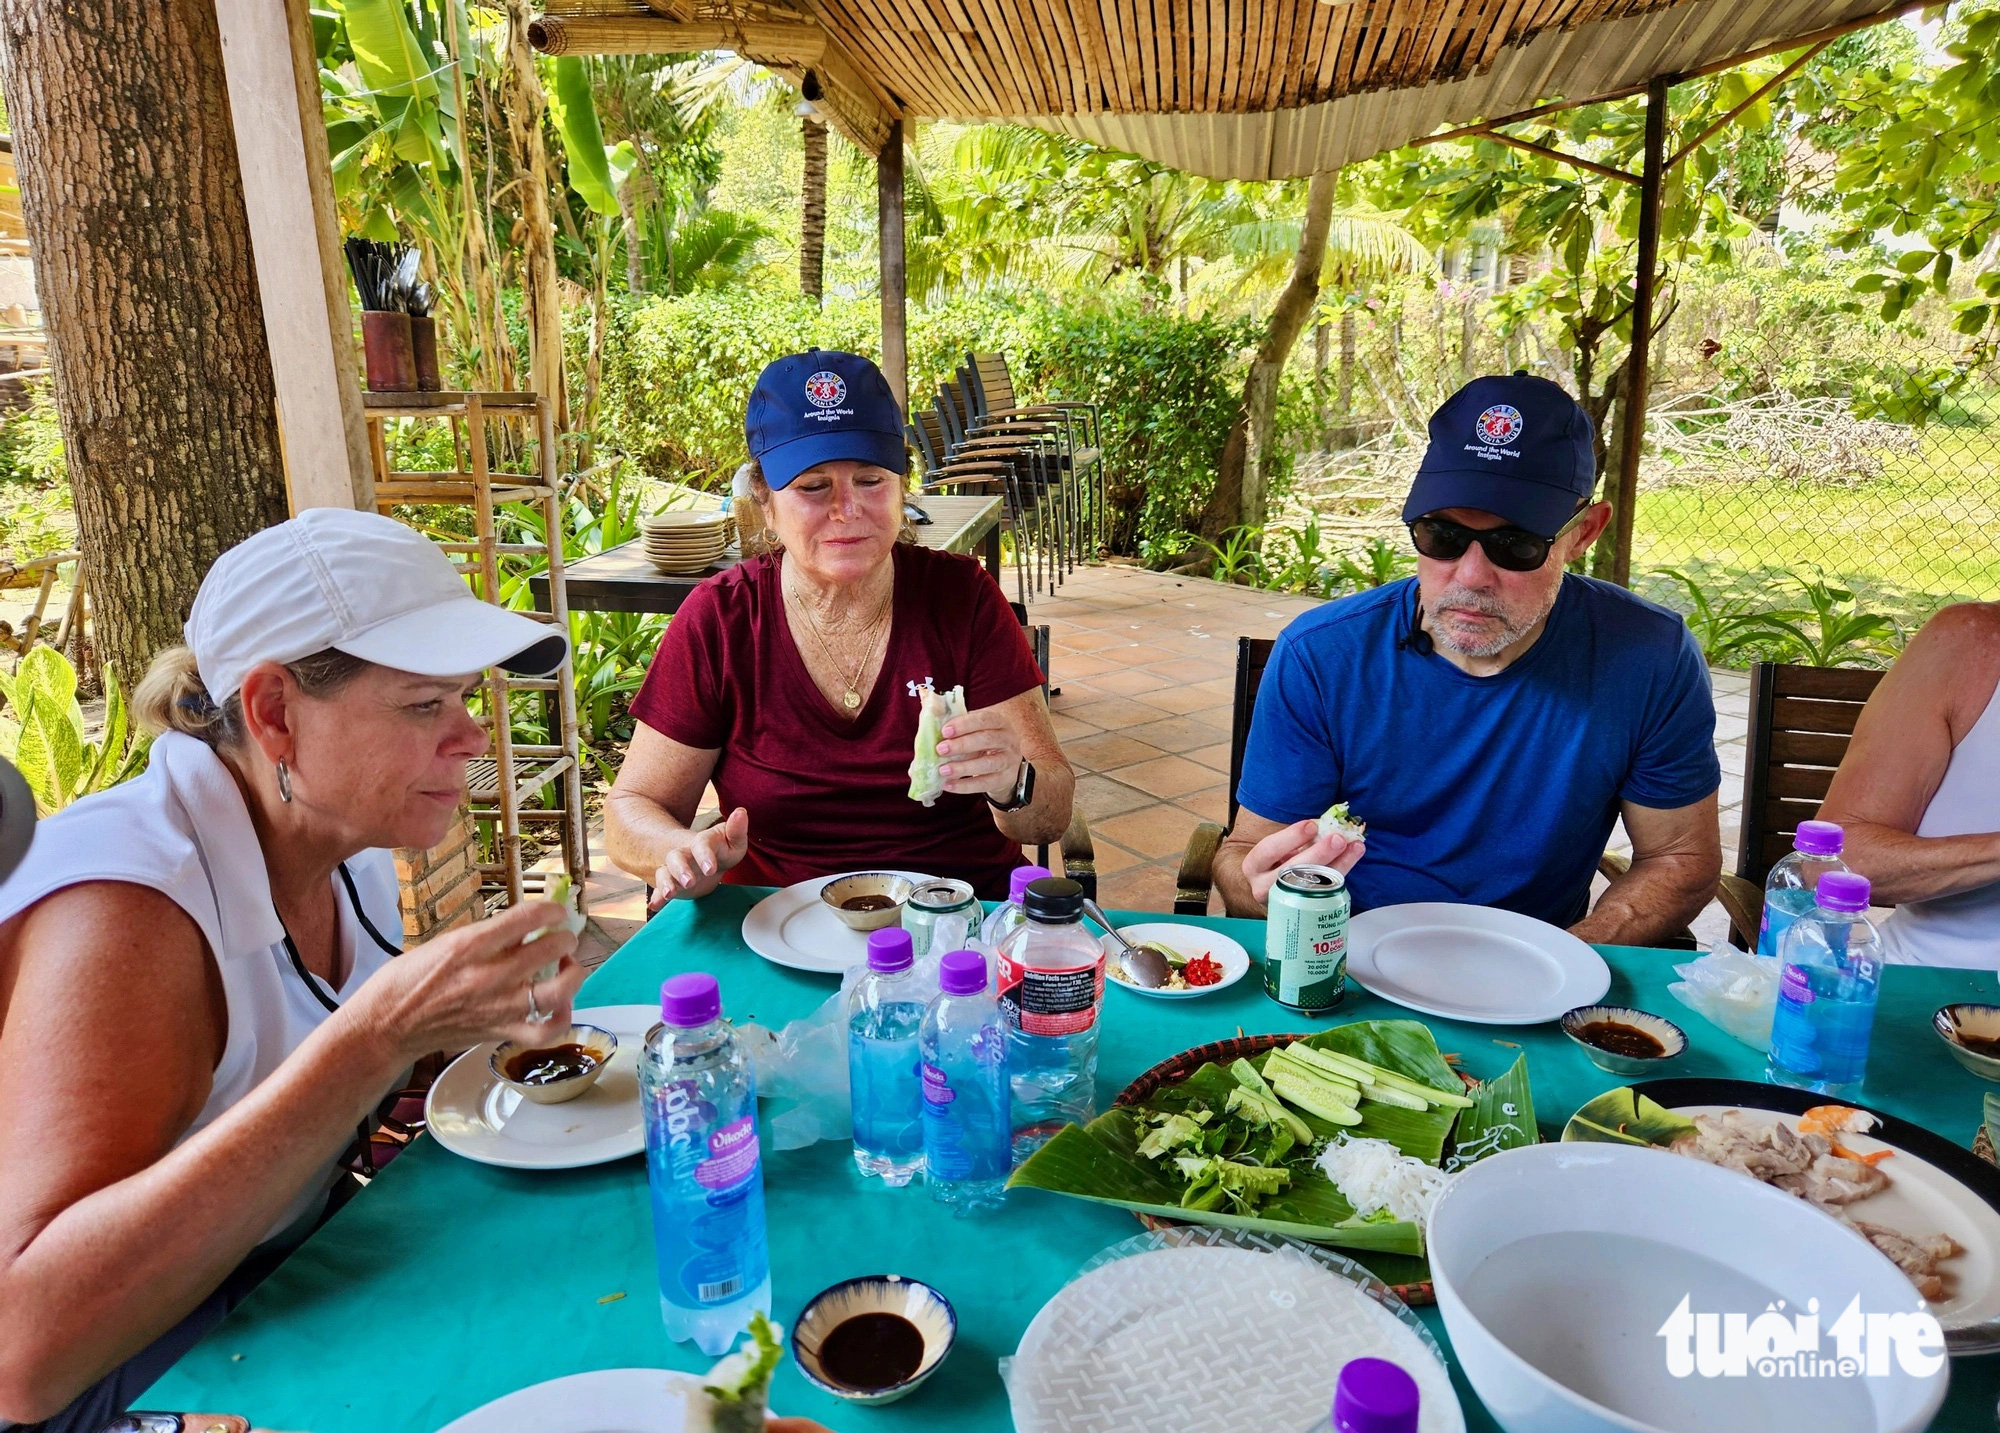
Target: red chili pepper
1202 970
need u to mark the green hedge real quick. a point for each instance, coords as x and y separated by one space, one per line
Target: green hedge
679 371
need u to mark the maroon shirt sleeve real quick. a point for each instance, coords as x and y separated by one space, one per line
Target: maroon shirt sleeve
685 695
1000 667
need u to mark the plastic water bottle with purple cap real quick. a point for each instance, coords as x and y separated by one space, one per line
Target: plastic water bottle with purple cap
968 1131
699 1098
884 1013
1009 915
1788 890
1829 974
1373 1396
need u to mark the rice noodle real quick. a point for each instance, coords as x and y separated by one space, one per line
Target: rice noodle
1372 1174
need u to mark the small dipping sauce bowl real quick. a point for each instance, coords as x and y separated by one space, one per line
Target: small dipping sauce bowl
868 900
880 1329
1624 1041
1972 1034
595 1045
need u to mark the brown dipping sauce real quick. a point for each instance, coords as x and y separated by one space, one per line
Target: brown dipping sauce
1980 1045
867 903
872 1351
546 1067
1622 1039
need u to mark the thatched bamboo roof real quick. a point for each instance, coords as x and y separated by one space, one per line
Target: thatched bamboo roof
1234 89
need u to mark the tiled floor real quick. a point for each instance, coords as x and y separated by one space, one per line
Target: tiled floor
1144 665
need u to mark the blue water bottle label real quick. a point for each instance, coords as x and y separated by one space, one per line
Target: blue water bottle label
1794 987
945 1155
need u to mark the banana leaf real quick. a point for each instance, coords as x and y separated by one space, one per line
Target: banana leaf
1100 1161
1502 1116
1622 1116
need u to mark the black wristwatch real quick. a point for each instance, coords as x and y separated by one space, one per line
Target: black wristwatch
1024 789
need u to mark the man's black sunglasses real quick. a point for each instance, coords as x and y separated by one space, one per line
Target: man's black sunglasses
1512 548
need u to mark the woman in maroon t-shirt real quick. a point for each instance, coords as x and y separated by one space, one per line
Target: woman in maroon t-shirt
791 681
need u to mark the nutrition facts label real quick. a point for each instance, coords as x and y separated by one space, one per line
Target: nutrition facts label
1051 1002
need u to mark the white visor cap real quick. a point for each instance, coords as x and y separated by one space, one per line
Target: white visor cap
363 584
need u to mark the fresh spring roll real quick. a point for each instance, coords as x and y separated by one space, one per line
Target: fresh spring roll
926 785
732 1398
573 920
1337 819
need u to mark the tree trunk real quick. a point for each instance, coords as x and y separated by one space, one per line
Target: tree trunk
1242 479
522 98
1346 436
134 205
628 220
812 211
1322 342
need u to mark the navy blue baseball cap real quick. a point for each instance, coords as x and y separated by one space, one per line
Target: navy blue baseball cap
1513 445
819 406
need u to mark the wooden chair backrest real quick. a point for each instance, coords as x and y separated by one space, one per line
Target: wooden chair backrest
1801 719
1253 654
995 384
1038 641
927 428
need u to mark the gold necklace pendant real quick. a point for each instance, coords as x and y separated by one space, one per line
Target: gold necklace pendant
851 700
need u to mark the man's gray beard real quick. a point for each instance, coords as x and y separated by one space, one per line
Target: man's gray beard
1485 604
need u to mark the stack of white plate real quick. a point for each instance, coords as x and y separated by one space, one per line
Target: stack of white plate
685 542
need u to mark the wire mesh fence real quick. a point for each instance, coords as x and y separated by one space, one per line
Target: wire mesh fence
1751 489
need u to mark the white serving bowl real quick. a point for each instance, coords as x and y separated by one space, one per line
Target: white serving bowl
1557 1267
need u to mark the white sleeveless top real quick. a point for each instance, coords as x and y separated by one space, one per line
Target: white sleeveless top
1962 929
182 829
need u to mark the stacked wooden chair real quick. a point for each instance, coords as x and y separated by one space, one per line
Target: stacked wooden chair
1042 459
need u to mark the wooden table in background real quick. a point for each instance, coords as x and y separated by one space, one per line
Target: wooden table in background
622 580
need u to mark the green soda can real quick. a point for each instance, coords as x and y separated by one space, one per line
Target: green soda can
1305 939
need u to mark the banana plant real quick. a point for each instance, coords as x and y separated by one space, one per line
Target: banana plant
45 735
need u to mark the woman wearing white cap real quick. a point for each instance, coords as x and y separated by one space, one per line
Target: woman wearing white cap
197 1000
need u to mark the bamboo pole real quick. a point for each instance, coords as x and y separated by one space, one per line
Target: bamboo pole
1638 364
895 296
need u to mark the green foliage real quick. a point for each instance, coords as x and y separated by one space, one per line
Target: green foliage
678 371
1830 629
1921 167
1237 558
36 516
45 735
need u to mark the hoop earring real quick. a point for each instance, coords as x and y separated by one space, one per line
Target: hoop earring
284 784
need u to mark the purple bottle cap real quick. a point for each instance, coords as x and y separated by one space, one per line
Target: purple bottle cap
1842 891
1374 1396
1019 879
690 1000
963 972
890 950
1819 838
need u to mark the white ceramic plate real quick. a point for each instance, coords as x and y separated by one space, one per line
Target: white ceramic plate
1922 1199
612 1400
1188 940
473 1114
795 928
1209 1338
1473 963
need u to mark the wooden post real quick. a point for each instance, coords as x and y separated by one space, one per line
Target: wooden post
895 297
1638 374
274 102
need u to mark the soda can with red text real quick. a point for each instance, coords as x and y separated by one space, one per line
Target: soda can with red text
1305 939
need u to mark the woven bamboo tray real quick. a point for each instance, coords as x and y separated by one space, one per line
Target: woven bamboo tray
1176 1068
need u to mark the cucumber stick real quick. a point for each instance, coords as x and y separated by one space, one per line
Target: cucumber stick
1337 1085
1313 1099
1353 1069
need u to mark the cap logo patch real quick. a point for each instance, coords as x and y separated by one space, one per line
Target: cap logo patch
1499 425
827 389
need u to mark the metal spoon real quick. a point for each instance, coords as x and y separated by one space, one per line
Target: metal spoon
1146 965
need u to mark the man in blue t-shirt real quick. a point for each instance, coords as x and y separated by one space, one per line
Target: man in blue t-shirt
1492 717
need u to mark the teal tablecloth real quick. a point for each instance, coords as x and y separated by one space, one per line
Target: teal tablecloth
449 1283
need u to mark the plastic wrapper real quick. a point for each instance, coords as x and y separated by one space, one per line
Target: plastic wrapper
802 1068
1734 990
1214 1328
